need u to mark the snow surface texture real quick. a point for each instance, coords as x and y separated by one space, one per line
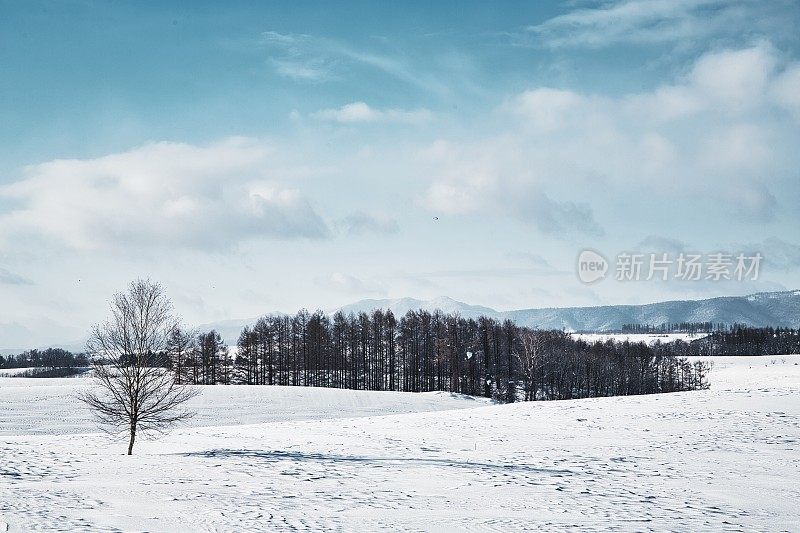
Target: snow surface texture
723 459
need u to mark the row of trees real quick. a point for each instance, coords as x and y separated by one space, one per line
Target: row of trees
424 351
49 358
743 340
673 327
735 340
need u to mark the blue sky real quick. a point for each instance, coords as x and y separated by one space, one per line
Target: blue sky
267 156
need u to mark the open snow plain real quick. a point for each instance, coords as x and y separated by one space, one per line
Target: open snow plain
276 458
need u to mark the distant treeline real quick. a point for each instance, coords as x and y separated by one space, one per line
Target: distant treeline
49 358
424 351
673 327
58 372
736 339
743 340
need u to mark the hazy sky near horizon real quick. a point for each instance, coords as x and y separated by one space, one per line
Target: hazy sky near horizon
267 156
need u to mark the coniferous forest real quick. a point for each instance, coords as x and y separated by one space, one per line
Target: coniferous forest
424 351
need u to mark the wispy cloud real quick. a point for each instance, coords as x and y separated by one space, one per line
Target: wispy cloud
553 217
298 56
657 243
312 58
658 21
301 70
534 259
510 272
10 278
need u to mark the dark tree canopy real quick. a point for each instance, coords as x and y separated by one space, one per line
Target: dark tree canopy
424 351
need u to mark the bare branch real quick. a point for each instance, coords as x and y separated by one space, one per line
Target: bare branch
136 394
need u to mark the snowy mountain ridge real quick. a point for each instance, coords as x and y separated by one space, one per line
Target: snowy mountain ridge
778 309
760 309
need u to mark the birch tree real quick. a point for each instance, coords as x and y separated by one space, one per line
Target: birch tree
135 393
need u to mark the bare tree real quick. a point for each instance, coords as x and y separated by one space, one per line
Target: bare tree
179 348
137 394
529 351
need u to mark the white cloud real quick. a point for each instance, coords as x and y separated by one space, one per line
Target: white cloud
463 179
484 178
719 129
741 148
160 194
727 82
735 78
361 112
549 109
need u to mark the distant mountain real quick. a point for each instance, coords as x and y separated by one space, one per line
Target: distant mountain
778 309
761 309
401 306
74 347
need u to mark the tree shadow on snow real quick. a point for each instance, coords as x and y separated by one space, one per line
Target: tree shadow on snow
279 455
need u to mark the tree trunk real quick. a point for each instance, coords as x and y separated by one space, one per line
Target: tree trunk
133 438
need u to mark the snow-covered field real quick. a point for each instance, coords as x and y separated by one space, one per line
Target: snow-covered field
647 338
47 407
273 458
